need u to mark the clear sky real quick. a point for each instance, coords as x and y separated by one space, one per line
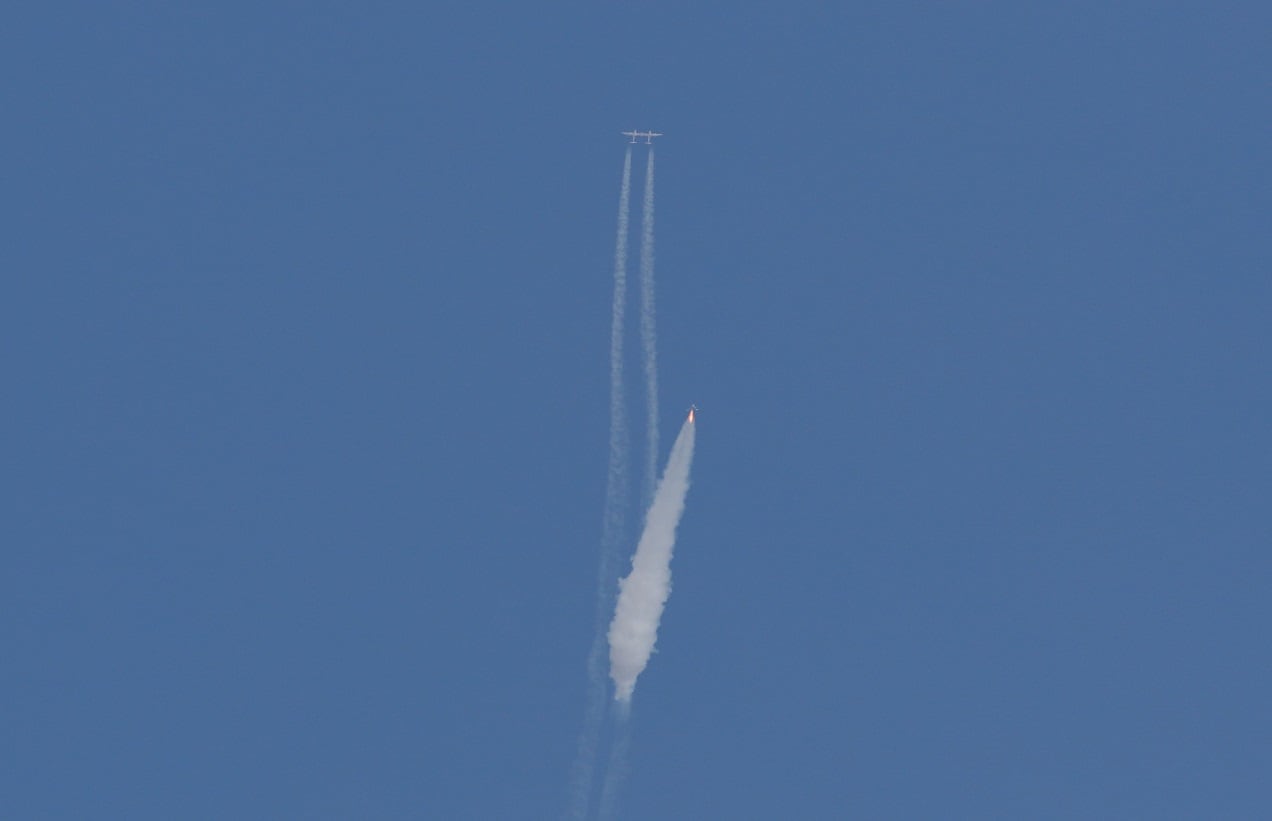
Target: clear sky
304 313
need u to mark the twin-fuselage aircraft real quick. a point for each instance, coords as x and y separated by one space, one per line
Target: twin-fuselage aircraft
648 135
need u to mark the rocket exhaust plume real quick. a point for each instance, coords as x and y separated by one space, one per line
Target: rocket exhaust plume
644 592
648 332
613 523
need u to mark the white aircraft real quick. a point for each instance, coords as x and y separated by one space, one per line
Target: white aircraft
648 135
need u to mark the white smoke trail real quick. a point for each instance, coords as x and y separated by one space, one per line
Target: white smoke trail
613 523
643 593
648 331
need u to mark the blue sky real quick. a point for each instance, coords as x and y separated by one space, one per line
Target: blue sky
305 322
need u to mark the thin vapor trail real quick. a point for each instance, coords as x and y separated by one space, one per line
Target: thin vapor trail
644 592
616 769
613 524
648 331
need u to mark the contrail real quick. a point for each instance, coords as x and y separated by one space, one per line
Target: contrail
613 522
616 769
643 593
648 331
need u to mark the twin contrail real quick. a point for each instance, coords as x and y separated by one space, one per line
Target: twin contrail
644 592
613 523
